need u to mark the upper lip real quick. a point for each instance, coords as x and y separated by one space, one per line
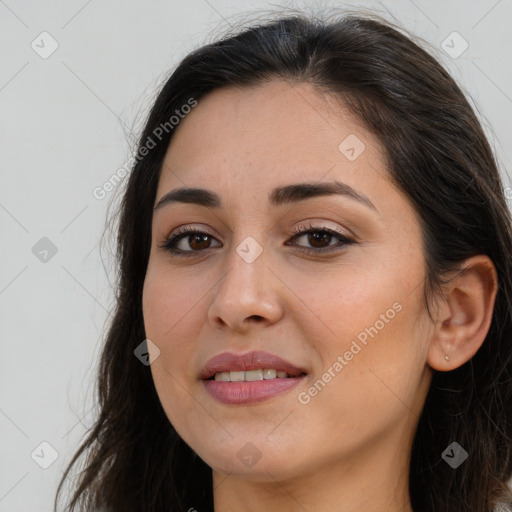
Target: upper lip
230 361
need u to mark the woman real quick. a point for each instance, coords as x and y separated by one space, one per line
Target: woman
315 289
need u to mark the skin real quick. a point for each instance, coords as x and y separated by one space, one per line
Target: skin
348 448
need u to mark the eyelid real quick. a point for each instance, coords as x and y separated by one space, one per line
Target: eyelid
180 232
311 226
316 225
186 228
301 226
300 230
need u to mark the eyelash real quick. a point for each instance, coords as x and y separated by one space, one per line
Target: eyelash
302 229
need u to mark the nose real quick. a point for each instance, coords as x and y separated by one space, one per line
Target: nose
246 295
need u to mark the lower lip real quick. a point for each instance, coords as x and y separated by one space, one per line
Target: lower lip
246 392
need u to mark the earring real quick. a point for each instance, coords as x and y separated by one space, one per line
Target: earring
446 357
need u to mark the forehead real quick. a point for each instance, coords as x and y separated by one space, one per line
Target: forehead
243 141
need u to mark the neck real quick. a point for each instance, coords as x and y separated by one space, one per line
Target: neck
375 478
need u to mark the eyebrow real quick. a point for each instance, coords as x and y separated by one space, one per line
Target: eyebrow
279 195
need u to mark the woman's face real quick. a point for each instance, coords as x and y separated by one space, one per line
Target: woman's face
347 315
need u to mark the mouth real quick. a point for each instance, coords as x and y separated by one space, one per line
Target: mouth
253 375
250 366
239 379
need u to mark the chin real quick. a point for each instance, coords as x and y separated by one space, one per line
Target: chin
245 460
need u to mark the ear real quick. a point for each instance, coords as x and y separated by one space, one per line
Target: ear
465 314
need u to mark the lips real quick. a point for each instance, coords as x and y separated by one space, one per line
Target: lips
229 361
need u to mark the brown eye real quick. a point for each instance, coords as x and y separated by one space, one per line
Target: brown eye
319 238
196 241
188 241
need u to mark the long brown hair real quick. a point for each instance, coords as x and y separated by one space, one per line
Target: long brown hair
437 153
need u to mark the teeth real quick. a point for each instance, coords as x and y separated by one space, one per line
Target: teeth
251 375
269 373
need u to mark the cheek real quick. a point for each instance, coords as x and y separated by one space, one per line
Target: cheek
368 317
171 303
170 309
343 303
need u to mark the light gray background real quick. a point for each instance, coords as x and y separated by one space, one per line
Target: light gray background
65 124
